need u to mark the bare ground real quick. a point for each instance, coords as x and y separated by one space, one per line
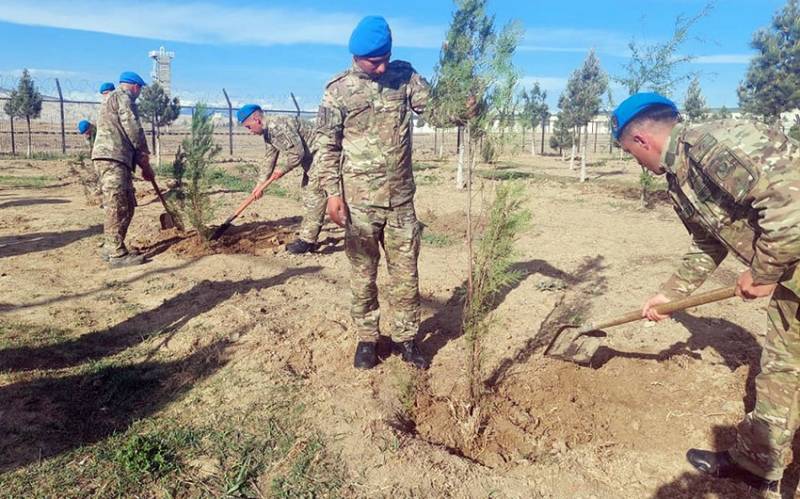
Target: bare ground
203 334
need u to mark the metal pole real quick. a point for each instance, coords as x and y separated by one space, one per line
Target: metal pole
296 106
61 106
230 123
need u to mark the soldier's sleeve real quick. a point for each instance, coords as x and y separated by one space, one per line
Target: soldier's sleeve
290 144
270 160
776 197
327 162
703 257
132 126
420 98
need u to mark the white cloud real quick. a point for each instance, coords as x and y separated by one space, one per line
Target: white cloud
723 59
199 22
575 41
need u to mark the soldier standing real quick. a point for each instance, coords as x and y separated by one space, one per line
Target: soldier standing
120 146
292 139
736 187
89 132
364 163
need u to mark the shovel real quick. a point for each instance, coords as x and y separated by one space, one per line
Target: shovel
579 345
227 223
166 219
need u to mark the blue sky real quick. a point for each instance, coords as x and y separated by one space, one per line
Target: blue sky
260 51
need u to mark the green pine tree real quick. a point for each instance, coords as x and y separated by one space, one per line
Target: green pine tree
159 110
694 106
772 83
25 102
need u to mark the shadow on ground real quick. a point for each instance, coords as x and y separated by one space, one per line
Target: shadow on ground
164 321
24 244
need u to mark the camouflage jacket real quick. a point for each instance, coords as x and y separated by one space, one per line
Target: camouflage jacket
364 135
92 136
120 136
736 187
289 138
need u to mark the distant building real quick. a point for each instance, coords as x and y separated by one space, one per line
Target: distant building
162 68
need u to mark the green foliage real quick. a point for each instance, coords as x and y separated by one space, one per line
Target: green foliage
489 148
495 254
534 106
561 137
25 182
582 99
502 101
156 107
151 454
25 101
723 114
694 106
436 240
657 66
464 66
193 173
772 83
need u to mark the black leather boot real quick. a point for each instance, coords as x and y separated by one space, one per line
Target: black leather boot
298 247
720 464
411 354
366 355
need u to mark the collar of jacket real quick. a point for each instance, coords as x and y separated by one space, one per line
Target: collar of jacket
670 153
360 73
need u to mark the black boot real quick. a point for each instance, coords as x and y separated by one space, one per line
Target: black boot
720 464
412 355
298 247
366 355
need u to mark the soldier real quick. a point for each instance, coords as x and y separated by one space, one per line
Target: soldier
292 139
736 187
89 131
105 89
120 146
364 164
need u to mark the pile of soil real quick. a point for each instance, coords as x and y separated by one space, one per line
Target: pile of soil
252 238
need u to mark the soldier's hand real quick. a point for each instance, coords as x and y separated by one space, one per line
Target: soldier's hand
747 290
258 190
337 210
276 175
649 311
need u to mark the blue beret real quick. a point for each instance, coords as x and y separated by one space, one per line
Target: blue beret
371 38
245 111
107 86
83 126
633 106
131 77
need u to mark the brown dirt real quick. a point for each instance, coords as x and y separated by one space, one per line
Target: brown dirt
253 313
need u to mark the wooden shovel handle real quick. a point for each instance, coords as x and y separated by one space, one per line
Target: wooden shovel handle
160 196
249 200
674 306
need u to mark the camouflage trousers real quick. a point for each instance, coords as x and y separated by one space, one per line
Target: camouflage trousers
119 202
764 439
314 203
397 230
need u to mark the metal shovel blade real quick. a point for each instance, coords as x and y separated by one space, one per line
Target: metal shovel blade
167 221
574 344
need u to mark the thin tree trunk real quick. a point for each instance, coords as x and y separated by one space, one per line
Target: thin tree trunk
533 141
572 153
158 146
472 361
585 146
435 141
460 168
30 142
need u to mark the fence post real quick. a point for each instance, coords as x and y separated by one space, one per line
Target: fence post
13 142
230 123
61 107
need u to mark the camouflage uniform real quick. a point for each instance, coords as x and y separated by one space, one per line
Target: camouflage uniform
89 177
736 187
293 139
120 139
364 144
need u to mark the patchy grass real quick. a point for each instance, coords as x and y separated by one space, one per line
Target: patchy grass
429 179
421 167
17 334
504 174
437 240
26 182
230 182
262 449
